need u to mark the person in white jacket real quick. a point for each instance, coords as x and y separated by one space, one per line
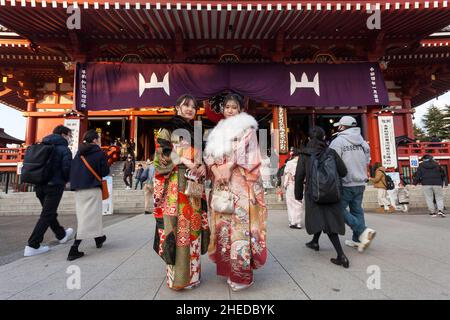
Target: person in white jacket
294 207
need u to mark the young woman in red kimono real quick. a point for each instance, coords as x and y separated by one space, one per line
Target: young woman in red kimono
238 240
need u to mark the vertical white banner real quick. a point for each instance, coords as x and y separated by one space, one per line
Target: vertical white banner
387 141
74 125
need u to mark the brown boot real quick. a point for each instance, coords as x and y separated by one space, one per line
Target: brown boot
391 209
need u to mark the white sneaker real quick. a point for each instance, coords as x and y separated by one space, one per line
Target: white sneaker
353 244
69 233
29 251
366 238
441 214
128 188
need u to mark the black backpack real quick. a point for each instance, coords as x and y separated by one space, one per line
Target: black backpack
324 182
37 165
390 185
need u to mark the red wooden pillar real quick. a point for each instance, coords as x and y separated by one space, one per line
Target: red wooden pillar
133 126
407 117
374 137
31 123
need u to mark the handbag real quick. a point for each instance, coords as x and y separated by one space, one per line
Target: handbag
194 187
222 200
105 192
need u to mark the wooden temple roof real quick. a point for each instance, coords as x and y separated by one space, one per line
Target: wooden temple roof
203 31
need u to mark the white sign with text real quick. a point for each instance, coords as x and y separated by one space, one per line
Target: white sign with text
387 141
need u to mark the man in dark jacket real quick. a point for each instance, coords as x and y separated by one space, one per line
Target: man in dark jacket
432 178
128 170
51 193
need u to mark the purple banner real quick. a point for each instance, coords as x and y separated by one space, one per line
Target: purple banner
103 86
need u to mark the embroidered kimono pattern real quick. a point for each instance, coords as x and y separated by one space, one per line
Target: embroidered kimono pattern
182 231
238 240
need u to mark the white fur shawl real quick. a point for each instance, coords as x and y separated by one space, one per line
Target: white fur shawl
220 139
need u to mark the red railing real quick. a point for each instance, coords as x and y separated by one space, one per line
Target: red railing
436 149
14 155
11 155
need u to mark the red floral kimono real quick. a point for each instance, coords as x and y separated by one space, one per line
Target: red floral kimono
182 232
238 240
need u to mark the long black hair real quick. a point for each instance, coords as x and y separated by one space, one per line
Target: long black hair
317 138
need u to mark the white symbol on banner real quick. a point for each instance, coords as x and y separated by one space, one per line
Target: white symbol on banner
305 83
153 84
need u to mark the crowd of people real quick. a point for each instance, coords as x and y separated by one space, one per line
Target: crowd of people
324 183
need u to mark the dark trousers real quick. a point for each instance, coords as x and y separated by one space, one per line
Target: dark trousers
49 196
125 179
138 181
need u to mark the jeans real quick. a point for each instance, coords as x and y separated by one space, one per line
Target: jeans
49 196
137 183
352 198
437 193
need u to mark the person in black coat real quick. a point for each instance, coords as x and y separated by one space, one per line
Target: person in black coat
319 218
88 192
50 194
128 170
432 178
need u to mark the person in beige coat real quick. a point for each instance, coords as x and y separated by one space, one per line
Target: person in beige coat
84 180
379 183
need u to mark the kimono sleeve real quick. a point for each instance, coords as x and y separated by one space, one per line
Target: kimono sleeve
163 148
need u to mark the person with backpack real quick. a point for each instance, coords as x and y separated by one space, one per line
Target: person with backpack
432 178
147 179
47 165
322 169
355 152
138 176
380 182
88 167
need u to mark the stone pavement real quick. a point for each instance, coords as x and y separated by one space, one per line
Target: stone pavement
412 252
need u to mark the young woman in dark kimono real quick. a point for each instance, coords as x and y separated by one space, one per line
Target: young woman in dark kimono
182 232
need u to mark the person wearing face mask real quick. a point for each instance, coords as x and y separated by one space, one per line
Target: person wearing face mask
88 192
128 171
355 153
232 154
51 193
180 210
